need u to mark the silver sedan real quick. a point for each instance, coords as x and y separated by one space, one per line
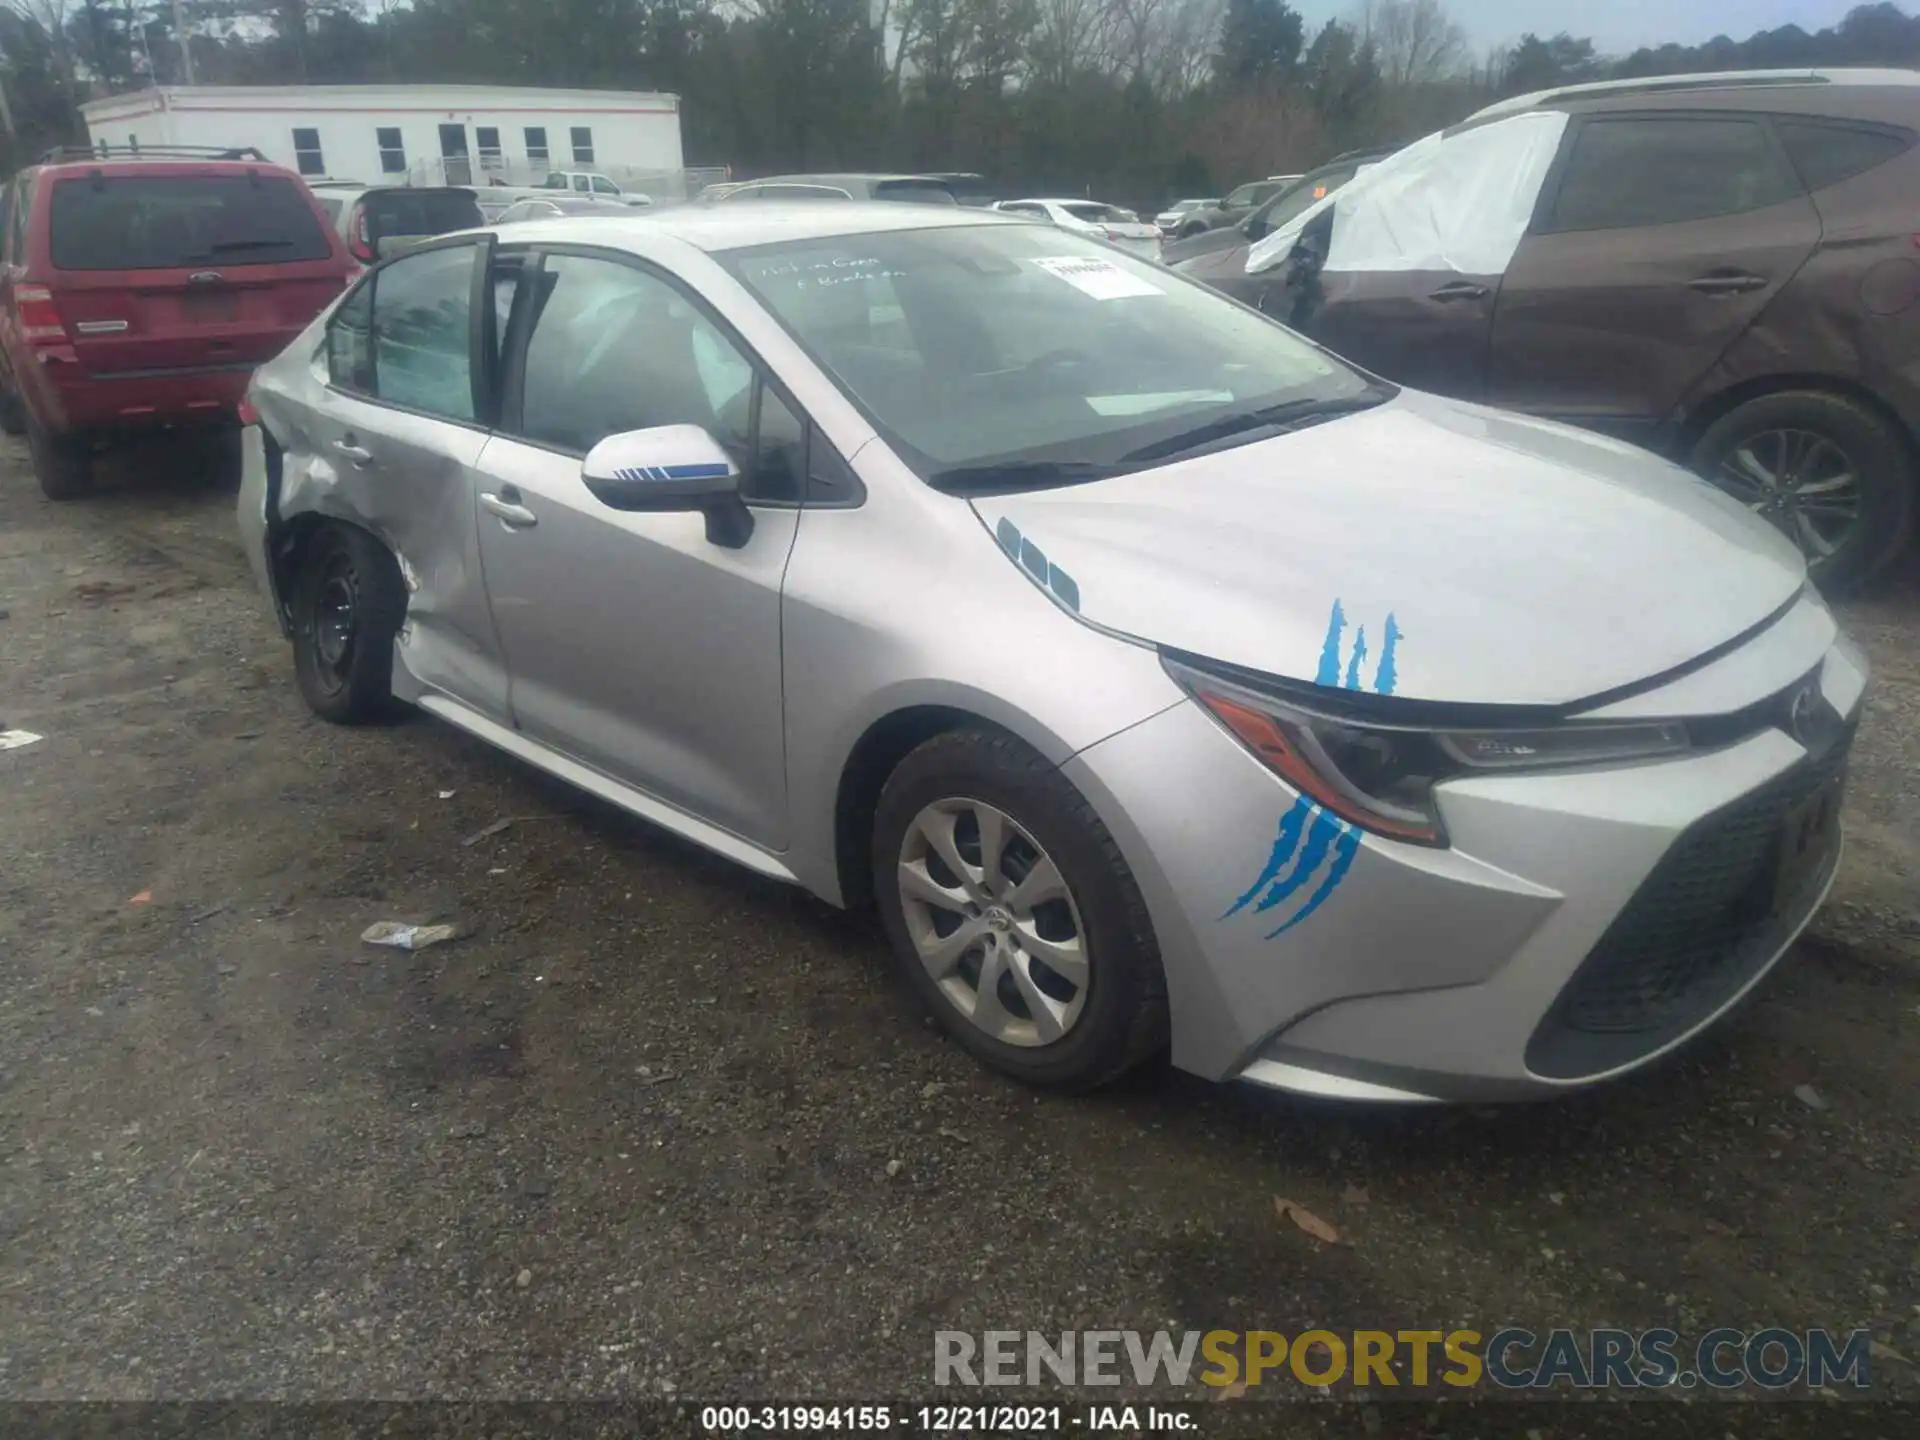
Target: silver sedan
1165 681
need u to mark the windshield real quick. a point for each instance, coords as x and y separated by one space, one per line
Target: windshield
1015 345
1290 203
420 212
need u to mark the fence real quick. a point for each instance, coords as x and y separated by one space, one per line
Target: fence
487 169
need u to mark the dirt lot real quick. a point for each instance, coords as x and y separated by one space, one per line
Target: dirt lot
633 1135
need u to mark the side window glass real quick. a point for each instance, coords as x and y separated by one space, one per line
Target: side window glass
615 349
350 342
779 452
422 332
1634 172
580 182
604 186
830 480
1826 154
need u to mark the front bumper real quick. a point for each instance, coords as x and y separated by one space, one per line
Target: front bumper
1506 966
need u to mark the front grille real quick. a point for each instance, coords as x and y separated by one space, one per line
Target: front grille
1697 930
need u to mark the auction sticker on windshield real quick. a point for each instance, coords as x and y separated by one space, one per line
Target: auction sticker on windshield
1091 275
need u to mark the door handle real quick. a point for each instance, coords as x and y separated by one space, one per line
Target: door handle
353 452
514 517
1727 284
1460 290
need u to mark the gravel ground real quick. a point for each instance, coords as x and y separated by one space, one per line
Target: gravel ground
655 1126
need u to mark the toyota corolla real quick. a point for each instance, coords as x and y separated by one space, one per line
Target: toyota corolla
1166 681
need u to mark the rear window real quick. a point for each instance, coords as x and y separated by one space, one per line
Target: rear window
167 222
1094 213
420 212
1827 154
918 192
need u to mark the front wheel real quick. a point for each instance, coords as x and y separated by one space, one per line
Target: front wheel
348 602
1831 474
1014 915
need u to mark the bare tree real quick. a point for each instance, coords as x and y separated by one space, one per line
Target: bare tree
53 16
1069 39
1413 40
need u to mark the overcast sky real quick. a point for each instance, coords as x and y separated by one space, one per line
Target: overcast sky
1618 26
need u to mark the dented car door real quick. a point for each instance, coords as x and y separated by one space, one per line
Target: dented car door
388 441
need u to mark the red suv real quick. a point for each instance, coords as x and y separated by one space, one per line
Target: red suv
138 292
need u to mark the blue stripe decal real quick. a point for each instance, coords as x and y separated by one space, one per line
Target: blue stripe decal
696 472
1313 843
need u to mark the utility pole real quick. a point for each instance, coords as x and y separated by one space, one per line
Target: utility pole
186 48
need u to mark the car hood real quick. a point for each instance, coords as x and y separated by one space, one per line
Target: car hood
1427 549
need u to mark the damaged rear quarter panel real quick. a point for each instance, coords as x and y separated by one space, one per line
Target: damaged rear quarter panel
415 496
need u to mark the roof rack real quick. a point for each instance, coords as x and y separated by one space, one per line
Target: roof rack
1701 80
105 151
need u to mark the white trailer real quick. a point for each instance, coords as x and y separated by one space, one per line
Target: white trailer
419 134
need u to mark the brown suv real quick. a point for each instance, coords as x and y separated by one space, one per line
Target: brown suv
1723 268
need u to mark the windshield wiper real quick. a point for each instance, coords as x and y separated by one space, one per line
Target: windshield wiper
1250 425
1011 476
222 245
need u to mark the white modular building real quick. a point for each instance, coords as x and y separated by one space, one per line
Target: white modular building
398 134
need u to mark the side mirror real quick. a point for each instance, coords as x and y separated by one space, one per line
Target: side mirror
671 467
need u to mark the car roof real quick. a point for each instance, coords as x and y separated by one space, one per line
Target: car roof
720 228
840 177
1713 84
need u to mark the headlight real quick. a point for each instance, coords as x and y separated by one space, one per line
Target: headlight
1381 776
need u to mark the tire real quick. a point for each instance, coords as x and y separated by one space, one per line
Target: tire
63 464
348 604
13 415
1815 438
1056 1034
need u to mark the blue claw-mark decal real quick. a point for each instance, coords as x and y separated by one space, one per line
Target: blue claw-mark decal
1314 844
1031 558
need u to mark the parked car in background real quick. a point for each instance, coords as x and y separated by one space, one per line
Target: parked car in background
1169 219
137 295
968 188
562 205
1091 217
1240 203
915 189
1719 267
1350 740
382 220
1277 209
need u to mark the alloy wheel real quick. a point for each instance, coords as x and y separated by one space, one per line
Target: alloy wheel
994 922
1801 482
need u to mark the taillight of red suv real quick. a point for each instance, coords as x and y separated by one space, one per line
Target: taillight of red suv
357 240
40 322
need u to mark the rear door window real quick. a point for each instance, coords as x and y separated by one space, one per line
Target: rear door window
1825 153
405 336
1658 170
919 192
170 222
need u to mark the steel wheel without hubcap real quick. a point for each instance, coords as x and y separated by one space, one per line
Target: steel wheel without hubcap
1801 482
993 922
335 621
